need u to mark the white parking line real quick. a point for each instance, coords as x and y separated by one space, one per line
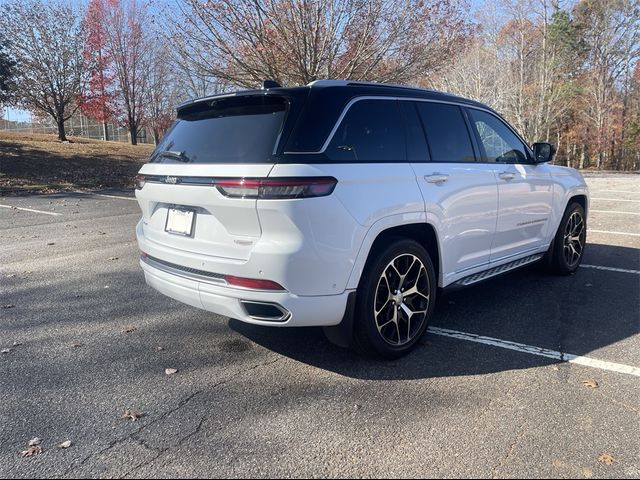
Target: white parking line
614 211
542 352
611 269
616 191
107 196
614 199
30 210
614 233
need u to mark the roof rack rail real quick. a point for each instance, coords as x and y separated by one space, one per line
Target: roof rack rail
363 83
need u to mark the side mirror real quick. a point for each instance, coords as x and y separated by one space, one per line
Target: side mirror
543 152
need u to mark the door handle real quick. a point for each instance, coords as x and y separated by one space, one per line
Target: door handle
436 178
507 175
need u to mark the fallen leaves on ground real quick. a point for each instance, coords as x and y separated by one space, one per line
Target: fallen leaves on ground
130 329
37 162
31 451
132 415
590 383
171 371
66 444
606 458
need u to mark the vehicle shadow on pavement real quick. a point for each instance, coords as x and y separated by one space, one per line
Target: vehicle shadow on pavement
576 314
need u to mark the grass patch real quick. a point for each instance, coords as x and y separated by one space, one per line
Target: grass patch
38 163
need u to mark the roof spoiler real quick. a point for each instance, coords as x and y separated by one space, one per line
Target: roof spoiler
270 84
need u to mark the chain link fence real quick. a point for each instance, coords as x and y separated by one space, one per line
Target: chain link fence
77 126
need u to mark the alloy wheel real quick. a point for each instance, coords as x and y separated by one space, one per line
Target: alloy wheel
402 299
574 239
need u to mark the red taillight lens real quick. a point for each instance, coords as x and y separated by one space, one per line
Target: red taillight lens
277 188
253 283
139 181
239 188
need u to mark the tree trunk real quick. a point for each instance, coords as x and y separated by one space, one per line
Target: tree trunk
133 134
156 136
61 133
105 131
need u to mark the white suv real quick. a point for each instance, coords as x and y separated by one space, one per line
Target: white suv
348 205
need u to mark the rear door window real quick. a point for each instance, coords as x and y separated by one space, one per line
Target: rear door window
447 133
226 130
371 131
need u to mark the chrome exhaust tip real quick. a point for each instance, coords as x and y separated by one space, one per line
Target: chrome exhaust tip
265 311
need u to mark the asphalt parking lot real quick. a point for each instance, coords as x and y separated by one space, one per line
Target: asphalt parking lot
489 393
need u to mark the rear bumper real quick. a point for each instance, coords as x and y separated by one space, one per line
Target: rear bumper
301 311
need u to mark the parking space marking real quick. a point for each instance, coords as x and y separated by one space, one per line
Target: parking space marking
30 210
612 269
616 191
614 211
614 233
542 352
108 196
615 199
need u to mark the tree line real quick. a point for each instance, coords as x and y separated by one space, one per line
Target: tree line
561 71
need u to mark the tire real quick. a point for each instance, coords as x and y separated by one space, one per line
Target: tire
567 249
401 319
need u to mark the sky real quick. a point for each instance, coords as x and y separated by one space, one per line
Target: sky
16 115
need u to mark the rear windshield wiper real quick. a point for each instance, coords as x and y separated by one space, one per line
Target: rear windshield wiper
179 156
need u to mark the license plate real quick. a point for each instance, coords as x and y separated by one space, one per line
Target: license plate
180 221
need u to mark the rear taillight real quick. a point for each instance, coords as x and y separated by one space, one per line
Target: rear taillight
253 283
139 181
276 188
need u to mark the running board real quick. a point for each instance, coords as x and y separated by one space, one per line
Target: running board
492 272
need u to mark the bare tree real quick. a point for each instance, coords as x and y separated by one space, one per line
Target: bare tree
298 41
126 26
46 44
161 91
481 70
611 29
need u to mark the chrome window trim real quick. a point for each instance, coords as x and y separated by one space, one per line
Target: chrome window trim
354 100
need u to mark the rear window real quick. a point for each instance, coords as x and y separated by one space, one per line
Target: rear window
226 130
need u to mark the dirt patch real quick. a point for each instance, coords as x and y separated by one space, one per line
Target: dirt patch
37 163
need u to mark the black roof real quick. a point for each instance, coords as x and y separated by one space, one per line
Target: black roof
342 87
316 107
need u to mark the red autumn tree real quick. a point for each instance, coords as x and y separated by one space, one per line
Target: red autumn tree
99 99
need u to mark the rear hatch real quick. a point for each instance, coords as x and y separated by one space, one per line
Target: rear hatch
223 138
